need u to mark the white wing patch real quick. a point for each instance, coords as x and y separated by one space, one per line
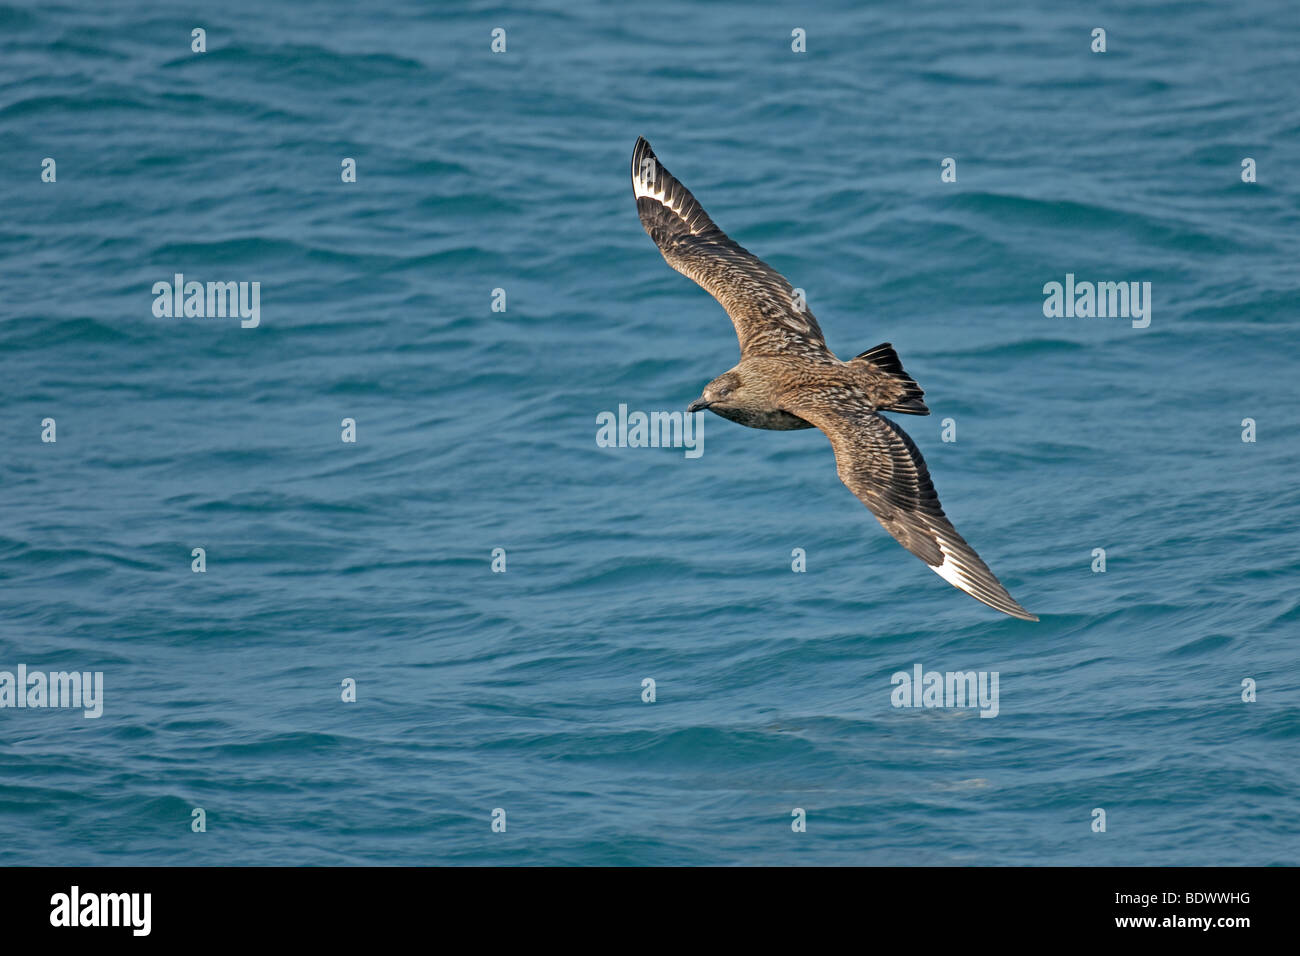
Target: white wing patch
948 570
963 579
645 184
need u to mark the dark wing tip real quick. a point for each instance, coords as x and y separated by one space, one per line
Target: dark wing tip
1021 613
668 210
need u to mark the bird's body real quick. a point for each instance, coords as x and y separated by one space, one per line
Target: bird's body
788 379
778 386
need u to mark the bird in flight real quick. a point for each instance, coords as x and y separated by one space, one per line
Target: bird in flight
787 378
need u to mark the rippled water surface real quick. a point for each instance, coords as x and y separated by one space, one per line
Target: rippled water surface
476 430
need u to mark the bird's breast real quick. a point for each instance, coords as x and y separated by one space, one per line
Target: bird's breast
771 419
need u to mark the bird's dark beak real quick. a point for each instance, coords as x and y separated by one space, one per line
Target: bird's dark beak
698 405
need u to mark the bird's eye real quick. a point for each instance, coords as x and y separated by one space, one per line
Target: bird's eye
722 391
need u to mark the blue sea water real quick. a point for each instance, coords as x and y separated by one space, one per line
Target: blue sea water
476 430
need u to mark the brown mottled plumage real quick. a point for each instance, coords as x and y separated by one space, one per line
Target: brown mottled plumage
787 378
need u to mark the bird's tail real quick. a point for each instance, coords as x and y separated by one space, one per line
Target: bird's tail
909 400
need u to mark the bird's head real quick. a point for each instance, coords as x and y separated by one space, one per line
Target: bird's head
723 393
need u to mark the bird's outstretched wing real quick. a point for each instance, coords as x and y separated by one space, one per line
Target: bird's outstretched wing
882 466
761 303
